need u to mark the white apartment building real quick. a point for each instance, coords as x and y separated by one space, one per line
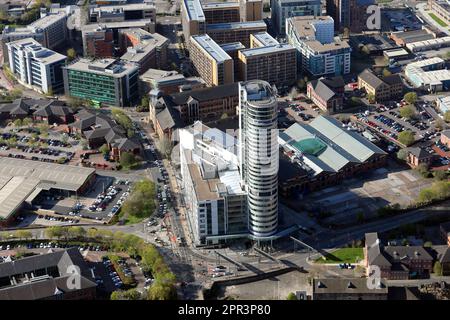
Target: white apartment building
214 198
35 66
319 53
50 30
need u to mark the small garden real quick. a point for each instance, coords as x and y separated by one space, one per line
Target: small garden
342 255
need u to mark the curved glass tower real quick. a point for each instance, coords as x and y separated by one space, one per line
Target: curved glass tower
258 156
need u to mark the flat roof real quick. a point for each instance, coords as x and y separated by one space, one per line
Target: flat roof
194 10
396 53
211 47
267 50
304 25
265 39
108 67
147 43
236 25
19 178
139 23
220 5
232 46
126 7
39 52
48 20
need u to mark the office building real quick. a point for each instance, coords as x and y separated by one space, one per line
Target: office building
215 200
232 49
262 39
98 43
350 14
35 66
283 9
382 88
441 9
192 19
114 27
221 12
108 81
319 53
126 12
48 276
166 82
147 50
235 31
251 10
213 64
258 156
276 64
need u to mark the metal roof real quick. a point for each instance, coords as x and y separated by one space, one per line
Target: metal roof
19 178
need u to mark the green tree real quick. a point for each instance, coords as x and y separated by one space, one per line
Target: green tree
402 154
104 149
27 122
141 201
165 147
15 93
439 125
440 175
406 137
447 115
54 232
371 98
426 196
76 232
386 72
17 123
162 291
423 170
410 97
428 244
50 92
437 268
92 233
71 54
291 296
408 112
23 234
127 159
360 217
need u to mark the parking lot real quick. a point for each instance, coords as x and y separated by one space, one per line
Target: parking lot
387 121
28 143
101 203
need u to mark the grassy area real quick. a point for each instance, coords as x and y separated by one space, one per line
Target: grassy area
439 21
384 1
348 255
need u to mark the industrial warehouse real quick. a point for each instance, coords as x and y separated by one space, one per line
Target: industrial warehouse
22 181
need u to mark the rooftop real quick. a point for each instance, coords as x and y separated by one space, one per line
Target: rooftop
264 39
147 43
39 53
346 286
108 67
211 47
57 270
324 145
267 50
236 25
19 178
258 91
232 46
138 23
194 10
48 20
220 5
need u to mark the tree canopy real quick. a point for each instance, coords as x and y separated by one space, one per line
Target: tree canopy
406 137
